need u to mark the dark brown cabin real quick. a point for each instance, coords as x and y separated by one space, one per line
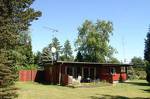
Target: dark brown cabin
59 72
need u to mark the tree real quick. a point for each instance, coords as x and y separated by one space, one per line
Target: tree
114 60
25 48
15 17
67 52
147 54
37 57
28 48
7 76
79 57
56 44
139 66
93 39
138 62
46 54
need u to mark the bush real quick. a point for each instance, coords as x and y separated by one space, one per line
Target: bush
26 67
140 73
131 74
136 73
148 72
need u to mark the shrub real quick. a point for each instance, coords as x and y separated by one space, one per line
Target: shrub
131 74
26 67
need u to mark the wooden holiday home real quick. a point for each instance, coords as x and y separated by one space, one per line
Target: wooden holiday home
63 72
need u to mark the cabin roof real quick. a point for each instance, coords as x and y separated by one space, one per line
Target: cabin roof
85 63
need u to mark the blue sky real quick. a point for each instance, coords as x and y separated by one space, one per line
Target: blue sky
130 22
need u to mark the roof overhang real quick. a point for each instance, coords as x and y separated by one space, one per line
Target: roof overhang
50 63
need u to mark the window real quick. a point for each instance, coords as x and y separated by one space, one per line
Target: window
112 70
123 69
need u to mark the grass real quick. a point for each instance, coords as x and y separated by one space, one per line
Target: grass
137 89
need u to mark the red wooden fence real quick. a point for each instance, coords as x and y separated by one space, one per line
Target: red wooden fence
27 75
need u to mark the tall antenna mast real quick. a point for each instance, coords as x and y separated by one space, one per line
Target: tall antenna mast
53 49
51 29
123 48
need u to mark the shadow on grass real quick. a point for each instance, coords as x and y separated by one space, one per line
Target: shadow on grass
115 97
138 83
147 90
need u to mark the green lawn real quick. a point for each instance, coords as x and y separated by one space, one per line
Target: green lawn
137 89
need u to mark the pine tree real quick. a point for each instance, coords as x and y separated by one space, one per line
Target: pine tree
79 57
37 57
67 52
7 76
56 44
15 17
46 54
147 54
24 48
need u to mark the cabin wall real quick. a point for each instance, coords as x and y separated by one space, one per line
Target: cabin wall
64 76
116 75
105 74
51 74
58 73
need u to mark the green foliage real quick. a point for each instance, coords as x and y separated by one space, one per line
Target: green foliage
55 43
7 77
139 66
113 60
138 62
15 18
147 47
67 52
136 73
37 57
79 57
26 67
22 53
93 39
140 74
131 73
17 57
46 54
147 55
25 48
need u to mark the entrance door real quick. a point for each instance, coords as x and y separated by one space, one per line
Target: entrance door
86 73
92 73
